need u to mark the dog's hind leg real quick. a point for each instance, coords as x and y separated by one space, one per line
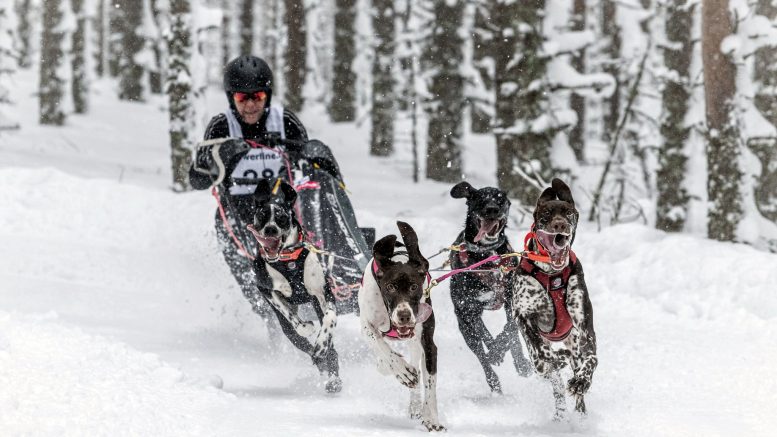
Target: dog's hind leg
471 331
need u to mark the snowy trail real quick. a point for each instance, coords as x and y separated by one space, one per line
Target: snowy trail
117 313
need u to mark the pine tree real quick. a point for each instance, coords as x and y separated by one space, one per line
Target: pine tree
8 63
443 58
24 32
482 95
672 201
295 68
382 114
132 84
342 105
577 101
766 102
723 148
522 129
612 51
52 57
100 25
180 91
80 76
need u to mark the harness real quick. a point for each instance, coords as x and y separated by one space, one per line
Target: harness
556 285
492 279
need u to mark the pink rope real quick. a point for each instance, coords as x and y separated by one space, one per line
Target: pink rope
473 266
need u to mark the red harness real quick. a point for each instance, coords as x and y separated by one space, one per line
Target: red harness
556 286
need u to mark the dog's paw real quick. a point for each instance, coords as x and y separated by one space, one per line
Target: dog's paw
578 385
306 329
404 372
322 344
334 385
433 426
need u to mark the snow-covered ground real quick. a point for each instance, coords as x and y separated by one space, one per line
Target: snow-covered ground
118 315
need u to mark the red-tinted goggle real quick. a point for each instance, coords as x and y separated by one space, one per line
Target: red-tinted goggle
242 97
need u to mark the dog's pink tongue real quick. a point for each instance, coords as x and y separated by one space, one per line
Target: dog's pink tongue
485 229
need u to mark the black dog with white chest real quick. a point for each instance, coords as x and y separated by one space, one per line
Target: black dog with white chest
550 299
288 275
473 293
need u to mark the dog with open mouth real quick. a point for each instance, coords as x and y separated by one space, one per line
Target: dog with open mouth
551 302
393 306
288 276
473 293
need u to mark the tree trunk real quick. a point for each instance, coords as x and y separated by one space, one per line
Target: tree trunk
612 52
444 57
247 27
342 105
180 92
576 101
523 149
482 104
80 86
296 53
723 150
382 114
100 25
51 85
24 31
766 102
131 73
672 201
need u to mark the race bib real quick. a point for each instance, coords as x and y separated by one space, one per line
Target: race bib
260 163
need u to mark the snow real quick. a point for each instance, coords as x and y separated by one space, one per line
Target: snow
118 315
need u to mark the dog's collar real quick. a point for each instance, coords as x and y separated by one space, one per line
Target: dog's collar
478 248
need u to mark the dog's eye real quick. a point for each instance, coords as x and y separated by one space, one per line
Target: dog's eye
414 287
392 288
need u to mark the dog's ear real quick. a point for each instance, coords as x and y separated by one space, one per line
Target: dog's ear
547 195
562 191
411 243
462 190
263 191
289 194
382 251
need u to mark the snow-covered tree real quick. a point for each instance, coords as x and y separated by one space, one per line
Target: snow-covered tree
53 69
24 33
611 49
578 21
342 104
443 58
672 195
295 59
480 89
8 63
765 79
383 100
100 24
246 27
134 57
723 138
180 91
80 73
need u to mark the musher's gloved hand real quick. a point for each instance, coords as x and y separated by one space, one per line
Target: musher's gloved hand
218 157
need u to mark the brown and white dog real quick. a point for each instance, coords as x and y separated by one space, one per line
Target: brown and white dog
393 307
551 302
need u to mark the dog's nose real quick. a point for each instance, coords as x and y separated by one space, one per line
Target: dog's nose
270 231
404 316
559 226
491 210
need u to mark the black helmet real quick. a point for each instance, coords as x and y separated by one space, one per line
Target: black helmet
248 74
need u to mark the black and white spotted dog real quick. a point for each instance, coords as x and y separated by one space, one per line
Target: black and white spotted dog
288 275
551 302
393 307
474 293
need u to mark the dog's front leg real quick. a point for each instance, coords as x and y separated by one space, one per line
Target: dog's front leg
388 360
316 285
303 328
429 415
584 358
